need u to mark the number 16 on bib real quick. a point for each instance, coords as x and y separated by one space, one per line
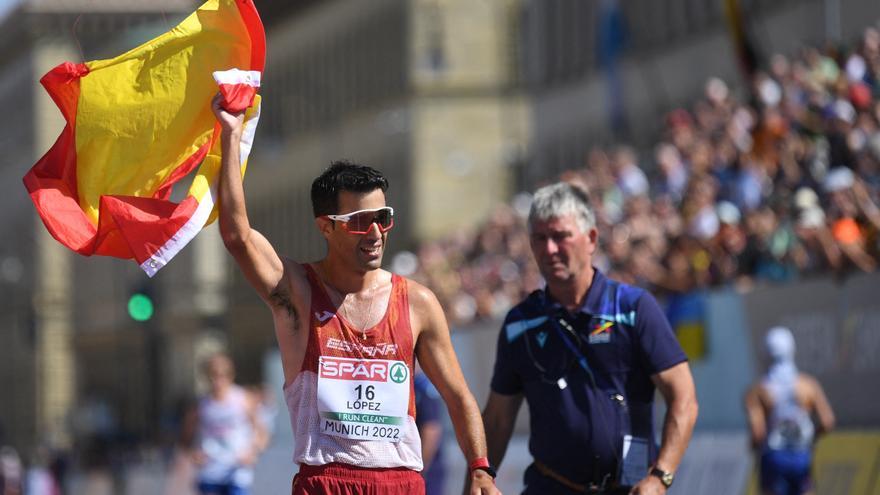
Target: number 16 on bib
363 399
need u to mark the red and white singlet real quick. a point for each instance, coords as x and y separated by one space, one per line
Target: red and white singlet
352 401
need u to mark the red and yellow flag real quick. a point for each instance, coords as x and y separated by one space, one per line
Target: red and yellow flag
139 123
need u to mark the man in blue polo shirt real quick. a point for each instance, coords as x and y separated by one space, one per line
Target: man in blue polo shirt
587 353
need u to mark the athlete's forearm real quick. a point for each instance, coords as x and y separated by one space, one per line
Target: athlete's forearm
234 224
468 425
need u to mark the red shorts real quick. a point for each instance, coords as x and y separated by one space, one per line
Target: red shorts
345 479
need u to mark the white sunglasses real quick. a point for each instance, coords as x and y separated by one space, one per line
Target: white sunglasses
360 222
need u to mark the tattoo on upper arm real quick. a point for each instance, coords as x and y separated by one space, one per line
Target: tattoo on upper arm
281 298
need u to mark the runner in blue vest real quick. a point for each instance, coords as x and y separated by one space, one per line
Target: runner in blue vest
780 409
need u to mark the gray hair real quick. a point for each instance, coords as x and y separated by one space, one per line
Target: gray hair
562 199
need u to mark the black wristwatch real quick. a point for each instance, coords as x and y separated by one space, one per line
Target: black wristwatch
665 476
488 469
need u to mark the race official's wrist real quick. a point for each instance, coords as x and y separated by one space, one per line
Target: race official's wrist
664 477
656 485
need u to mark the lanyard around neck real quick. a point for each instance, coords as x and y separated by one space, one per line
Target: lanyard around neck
558 322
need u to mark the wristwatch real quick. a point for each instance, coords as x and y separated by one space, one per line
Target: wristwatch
488 469
482 464
666 477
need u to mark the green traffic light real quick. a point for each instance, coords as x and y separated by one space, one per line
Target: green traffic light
140 307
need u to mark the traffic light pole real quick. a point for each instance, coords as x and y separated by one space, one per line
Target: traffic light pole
142 309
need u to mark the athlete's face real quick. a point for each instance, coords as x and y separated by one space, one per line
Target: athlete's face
363 251
561 249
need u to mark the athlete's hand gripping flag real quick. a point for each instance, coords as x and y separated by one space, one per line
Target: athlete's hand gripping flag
140 122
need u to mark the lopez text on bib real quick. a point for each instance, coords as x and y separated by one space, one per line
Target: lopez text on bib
363 399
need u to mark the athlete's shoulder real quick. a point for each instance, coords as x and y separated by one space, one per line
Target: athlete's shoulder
295 266
419 295
763 394
296 272
808 384
303 269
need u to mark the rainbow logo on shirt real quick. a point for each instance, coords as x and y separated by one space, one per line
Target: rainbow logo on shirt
601 333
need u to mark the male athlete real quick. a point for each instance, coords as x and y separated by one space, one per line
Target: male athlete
228 436
348 332
780 409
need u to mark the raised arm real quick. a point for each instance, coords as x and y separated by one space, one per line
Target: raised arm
255 256
437 358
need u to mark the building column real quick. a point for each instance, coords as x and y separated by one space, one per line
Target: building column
55 360
467 126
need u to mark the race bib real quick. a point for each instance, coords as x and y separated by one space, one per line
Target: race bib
363 399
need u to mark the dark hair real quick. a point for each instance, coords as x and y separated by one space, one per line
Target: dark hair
343 175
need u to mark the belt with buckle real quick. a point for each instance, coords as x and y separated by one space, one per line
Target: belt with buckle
546 471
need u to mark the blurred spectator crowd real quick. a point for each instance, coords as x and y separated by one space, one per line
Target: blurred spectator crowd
778 185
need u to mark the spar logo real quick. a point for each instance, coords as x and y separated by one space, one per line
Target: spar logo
399 372
372 370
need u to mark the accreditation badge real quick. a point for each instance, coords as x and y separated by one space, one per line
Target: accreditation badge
363 399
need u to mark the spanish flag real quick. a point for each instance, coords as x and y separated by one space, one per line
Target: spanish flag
139 123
